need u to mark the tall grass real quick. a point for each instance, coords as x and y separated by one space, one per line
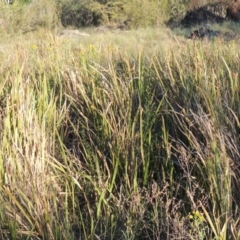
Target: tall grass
107 140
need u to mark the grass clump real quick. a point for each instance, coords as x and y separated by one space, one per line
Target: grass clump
103 140
26 16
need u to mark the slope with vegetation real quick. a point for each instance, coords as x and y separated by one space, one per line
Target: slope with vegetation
130 135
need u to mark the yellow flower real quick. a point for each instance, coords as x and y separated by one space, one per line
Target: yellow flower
34 46
91 47
81 53
197 216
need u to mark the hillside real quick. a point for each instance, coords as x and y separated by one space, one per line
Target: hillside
125 127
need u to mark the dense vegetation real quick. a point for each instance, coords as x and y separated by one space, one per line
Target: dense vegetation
130 135
31 14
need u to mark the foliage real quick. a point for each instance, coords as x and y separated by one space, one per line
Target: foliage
141 12
177 8
193 4
34 14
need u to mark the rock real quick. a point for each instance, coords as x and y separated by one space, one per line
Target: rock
233 11
125 25
204 32
200 16
105 28
207 33
209 13
72 33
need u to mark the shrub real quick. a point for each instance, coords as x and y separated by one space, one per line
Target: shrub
141 12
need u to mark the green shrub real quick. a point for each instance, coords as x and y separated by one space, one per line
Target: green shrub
141 12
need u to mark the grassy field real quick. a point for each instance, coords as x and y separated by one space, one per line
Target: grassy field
128 135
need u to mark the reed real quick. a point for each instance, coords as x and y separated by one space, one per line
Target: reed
106 139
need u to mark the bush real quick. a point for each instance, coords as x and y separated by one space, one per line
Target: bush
141 12
77 14
26 15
